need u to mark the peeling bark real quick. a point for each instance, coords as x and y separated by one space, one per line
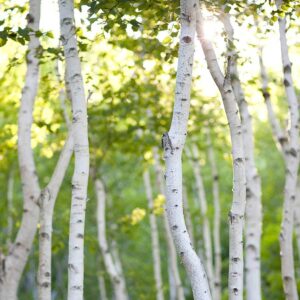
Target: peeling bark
237 211
173 144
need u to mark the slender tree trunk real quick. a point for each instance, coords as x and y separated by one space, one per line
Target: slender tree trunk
118 284
172 259
81 149
10 194
289 144
18 255
292 165
297 217
187 214
236 214
217 219
154 239
118 263
48 199
201 196
253 188
102 288
173 143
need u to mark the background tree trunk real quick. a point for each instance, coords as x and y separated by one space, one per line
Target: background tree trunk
154 238
117 282
174 274
217 219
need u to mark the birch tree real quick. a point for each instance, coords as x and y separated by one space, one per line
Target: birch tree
81 149
173 143
253 186
187 214
217 219
201 196
289 144
118 284
172 259
237 211
154 238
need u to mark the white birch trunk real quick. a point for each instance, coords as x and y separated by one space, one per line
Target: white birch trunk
10 194
118 263
187 214
253 187
47 202
117 283
172 258
237 211
217 219
173 143
201 196
18 255
289 143
102 288
297 217
81 149
154 239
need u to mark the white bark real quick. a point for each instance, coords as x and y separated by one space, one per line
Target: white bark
172 258
47 202
253 187
289 143
18 255
173 143
236 214
201 196
118 284
10 194
217 219
102 288
297 217
81 149
154 238
187 214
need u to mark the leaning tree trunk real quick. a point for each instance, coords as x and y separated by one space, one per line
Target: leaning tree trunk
237 211
201 196
289 143
47 202
172 259
217 219
187 214
111 268
154 238
173 143
16 259
81 149
102 287
253 186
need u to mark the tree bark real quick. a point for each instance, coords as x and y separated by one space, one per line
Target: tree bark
297 217
173 143
81 149
217 219
172 258
10 194
102 288
154 238
201 196
236 214
289 143
18 254
118 284
253 186
187 214
47 202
